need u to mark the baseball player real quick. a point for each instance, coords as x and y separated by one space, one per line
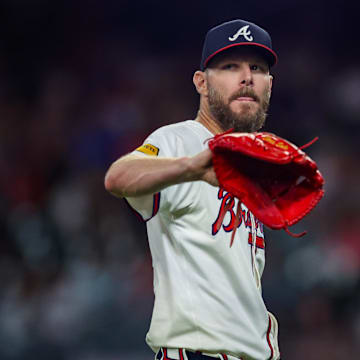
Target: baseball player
208 301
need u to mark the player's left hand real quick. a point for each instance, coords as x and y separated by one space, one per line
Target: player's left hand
274 178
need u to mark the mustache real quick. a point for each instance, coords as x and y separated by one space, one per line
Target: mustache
245 92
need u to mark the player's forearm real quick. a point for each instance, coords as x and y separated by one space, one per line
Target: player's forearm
133 176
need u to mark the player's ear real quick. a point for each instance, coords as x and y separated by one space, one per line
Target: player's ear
271 81
200 82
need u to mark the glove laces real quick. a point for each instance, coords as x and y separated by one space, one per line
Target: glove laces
309 143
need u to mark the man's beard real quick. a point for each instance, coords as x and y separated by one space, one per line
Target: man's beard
246 121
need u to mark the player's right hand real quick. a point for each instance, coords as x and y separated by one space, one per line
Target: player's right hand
201 166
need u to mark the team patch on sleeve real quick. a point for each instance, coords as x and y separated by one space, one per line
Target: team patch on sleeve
148 149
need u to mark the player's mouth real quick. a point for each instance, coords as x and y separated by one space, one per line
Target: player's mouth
245 98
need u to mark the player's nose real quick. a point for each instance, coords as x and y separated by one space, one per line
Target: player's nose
245 75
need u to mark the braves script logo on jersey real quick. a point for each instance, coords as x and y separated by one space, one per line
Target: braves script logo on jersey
245 32
227 206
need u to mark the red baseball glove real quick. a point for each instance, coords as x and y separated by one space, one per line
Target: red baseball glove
274 178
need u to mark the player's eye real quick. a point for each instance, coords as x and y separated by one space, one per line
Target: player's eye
229 66
257 67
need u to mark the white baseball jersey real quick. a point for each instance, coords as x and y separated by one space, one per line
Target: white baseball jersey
207 293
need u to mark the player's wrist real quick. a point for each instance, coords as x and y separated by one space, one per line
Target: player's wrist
187 169
193 171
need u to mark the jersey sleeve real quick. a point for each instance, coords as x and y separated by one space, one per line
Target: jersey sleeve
160 143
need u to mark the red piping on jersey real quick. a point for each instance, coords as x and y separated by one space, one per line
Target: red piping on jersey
224 356
260 242
181 354
268 339
156 204
165 354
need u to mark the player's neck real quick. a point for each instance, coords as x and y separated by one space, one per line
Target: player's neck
205 118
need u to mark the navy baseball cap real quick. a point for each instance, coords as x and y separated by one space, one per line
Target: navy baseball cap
235 33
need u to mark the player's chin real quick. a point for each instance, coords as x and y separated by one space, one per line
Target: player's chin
245 109
239 106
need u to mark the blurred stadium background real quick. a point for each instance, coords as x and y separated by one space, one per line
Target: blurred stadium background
84 82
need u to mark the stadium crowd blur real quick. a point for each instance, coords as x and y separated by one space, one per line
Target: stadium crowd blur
85 82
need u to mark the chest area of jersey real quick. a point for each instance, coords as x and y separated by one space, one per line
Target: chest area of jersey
222 217
230 215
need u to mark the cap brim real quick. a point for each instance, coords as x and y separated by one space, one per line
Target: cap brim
268 53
